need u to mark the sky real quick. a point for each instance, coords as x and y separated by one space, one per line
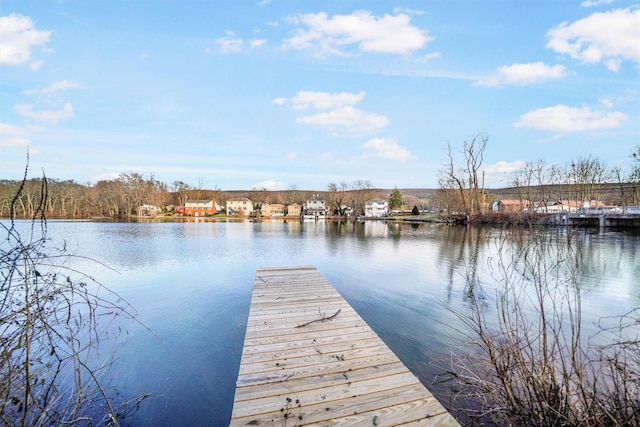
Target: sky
283 94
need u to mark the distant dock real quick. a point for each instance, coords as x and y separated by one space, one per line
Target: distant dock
310 359
618 216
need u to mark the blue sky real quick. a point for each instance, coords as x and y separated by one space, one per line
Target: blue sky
297 94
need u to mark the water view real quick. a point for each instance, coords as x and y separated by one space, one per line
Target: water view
191 284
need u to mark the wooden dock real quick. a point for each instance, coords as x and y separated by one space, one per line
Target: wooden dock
309 359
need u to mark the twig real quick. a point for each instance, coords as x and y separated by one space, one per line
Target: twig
321 319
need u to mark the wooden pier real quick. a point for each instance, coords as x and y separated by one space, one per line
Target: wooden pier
309 359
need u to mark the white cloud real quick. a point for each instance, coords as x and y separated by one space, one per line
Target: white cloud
279 101
35 65
590 3
7 129
341 114
45 116
337 34
353 120
562 118
428 57
606 103
229 43
54 87
107 176
608 37
499 170
399 10
524 74
497 175
387 149
257 42
291 156
271 185
16 136
14 142
324 100
17 37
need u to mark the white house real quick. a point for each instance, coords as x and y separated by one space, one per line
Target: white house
376 208
315 208
241 206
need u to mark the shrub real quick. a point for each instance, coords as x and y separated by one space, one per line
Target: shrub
54 334
532 365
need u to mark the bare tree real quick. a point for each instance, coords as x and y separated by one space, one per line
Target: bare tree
474 154
107 196
544 176
361 192
634 177
199 188
453 179
521 180
180 189
535 182
466 179
587 174
338 196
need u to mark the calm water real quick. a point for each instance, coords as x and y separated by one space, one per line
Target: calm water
191 284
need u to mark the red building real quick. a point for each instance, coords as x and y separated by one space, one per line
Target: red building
199 207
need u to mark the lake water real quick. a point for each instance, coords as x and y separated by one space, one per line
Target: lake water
191 283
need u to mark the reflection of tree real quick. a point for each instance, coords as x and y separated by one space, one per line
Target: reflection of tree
535 363
461 251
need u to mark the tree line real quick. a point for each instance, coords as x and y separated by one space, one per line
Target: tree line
126 194
462 188
70 199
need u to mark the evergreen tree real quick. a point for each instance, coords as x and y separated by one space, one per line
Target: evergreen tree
395 199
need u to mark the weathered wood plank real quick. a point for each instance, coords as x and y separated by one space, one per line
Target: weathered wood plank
310 359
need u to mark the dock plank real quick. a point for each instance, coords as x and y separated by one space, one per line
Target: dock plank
309 359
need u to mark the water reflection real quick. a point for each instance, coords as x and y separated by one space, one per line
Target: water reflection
191 283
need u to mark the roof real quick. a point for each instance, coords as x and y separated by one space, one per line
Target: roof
513 202
377 200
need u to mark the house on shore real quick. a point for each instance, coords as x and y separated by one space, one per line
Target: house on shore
198 208
510 205
569 206
376 208
315 208
241 206
294 210
149 210
272 210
